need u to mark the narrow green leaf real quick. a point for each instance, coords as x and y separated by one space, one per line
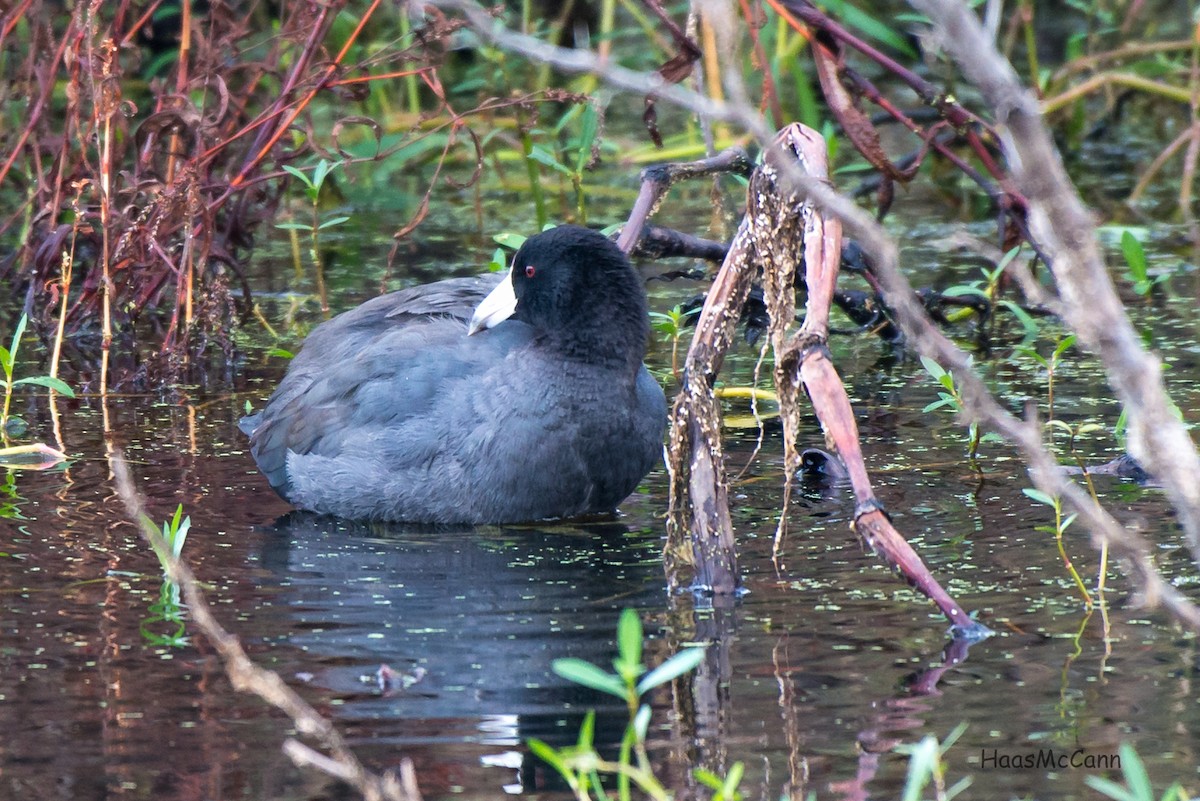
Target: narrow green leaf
6 361
282 353
922 763
641 723
588 675
1067 342
293 226
1110 788
551 757
17 334
962 290
1007 258
932 367
332 222
955 789
950 739
1039 496
674 667
324 167
872 27
709 779
587 136
299 175
1135 773
1029 324
629 638
587 731
543 156
938 404
56 384
732 780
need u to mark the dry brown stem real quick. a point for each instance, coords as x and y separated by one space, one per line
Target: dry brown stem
245 676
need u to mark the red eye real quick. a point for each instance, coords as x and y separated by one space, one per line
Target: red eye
529 271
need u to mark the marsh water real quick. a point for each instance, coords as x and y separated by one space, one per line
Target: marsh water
813 679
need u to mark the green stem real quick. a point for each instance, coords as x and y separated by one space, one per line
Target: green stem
1062 551
535 180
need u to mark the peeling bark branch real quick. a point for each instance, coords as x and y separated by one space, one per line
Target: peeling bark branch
1046 473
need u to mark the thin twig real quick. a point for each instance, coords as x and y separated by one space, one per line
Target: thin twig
266 684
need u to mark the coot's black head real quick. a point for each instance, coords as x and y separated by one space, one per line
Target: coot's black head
577 288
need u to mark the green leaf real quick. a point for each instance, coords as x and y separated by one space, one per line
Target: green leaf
641 723
732 780
6 361
293 226
282 353
1135 255
1135 773
932 367
587 136
587 731
510 240
1027 322
332 222
629 639
709 779
962 290
299 175
551 757
1110 788
56 384
324 167
955 733
1007 258
938 404
17 334
922 763
543 156
1067 342
589 675
873 27
682 662
1039 496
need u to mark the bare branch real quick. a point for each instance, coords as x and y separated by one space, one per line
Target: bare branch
266 684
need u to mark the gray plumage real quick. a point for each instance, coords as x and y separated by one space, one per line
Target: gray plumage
391 412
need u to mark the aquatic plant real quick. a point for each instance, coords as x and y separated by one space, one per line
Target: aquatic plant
1061 524
581 765
1137 785
168 608
312 190
670 325
950 397
8 363
1137 270
925 766
1049 364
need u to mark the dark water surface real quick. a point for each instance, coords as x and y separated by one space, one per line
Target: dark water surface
811 680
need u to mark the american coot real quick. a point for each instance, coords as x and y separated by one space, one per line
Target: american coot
539 407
